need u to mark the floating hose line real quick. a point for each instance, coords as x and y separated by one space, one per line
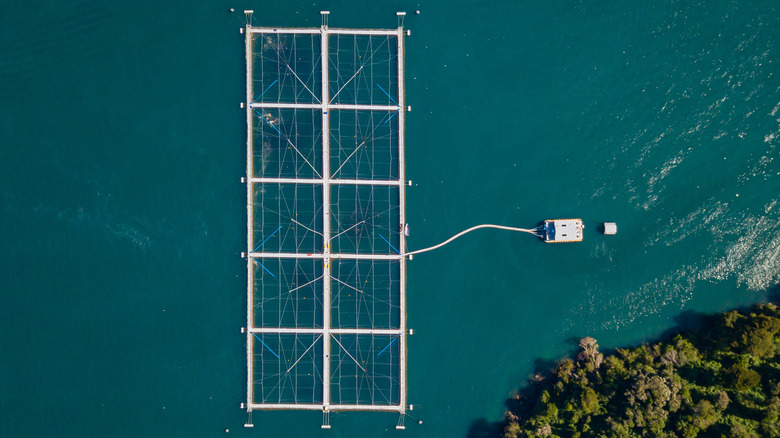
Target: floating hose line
500 227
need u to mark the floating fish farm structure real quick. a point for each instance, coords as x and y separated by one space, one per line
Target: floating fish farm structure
326 290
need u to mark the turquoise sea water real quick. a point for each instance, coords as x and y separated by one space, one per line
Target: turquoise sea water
121 146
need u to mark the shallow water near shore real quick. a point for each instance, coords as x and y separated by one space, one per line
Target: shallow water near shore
122 144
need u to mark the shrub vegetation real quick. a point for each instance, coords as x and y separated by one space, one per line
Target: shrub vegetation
722 380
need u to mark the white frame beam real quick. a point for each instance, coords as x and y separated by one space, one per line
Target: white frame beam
388 32
335 331
314 255
335 106
316 407
325 97
316 181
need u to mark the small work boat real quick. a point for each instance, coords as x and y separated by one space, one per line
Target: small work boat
561 230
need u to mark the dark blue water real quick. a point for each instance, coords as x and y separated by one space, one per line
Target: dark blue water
121 147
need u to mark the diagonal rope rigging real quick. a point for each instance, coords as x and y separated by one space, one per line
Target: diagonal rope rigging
350 356
303 83
303 354
288 141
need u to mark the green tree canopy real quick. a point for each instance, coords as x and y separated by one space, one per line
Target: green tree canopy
723 380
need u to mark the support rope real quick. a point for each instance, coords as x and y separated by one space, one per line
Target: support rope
266 346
